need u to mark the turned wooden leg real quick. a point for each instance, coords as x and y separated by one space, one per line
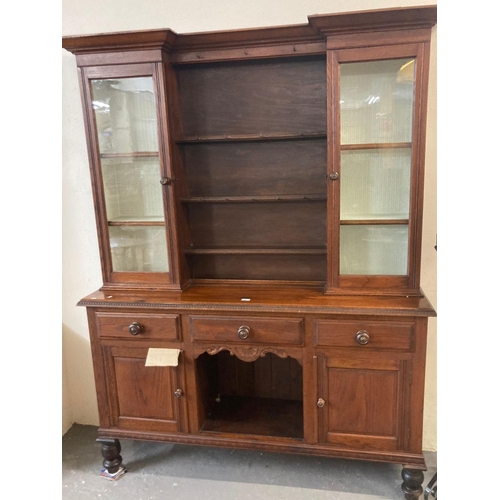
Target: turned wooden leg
412 483
110 449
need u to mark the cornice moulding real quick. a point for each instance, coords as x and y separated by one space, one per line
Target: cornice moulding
318 28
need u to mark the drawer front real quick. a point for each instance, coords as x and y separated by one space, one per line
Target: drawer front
365 335
140 325
250 330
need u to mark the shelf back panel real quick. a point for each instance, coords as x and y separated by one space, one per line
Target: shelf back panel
284 225
254 97
259 267
257 168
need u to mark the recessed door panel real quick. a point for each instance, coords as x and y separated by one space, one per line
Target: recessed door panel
141 397
365 401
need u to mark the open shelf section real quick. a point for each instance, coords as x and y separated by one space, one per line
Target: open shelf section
289 265
257 416
253 144
267 168
293 224
254 100
258 241
263 397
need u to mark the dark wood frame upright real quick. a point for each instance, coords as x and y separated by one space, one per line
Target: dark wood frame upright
350 331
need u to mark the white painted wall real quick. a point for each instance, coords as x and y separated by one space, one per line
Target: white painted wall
67 406
81 266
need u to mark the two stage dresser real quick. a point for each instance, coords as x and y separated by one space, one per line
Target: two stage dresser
258 197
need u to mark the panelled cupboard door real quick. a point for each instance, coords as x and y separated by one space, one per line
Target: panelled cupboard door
363 401
141 398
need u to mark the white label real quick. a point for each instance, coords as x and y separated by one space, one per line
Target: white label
162 357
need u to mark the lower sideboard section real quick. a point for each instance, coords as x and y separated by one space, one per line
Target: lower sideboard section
327 385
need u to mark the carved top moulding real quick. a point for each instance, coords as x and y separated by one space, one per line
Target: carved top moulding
289 40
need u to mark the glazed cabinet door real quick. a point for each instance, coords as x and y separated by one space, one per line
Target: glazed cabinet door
363 400
130 171
376 166
140 397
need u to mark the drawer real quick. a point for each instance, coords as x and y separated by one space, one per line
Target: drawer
247 329
366 335
138 325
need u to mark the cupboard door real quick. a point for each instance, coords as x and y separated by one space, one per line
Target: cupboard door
376 111
130 169
377 166
141 398
364 401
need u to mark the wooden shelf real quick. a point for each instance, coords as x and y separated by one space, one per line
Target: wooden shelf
373 222
249 199
379 145
260 416
137 221
249 138
256 251
140 154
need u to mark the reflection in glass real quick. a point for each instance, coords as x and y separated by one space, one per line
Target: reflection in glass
375 184
374 249
376 101
138 249
125 114
132 189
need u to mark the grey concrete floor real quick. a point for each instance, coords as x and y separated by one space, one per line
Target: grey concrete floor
178 472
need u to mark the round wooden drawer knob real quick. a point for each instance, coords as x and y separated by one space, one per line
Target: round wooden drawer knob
135 328
362 337
243 332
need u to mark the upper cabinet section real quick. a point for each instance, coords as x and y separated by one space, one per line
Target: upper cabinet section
287 155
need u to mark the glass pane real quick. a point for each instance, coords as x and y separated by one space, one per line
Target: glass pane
138 249
125 114
376 101
375 184
374 249
132 189
126 121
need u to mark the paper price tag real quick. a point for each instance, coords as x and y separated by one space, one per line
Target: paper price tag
162 357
